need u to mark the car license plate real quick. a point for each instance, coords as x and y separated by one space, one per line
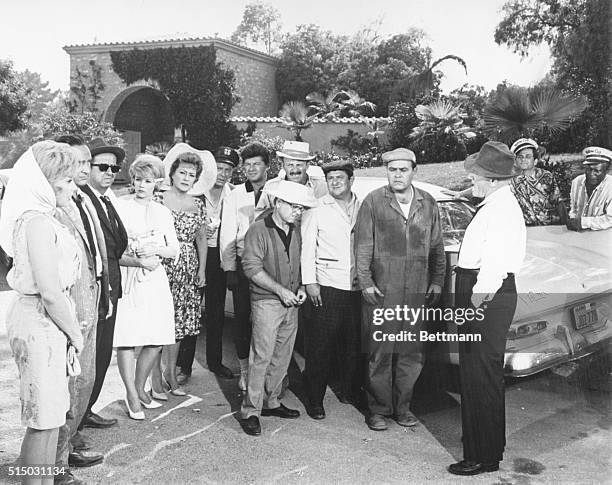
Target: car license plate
585 315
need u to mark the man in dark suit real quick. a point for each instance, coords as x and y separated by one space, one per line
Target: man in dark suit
106 162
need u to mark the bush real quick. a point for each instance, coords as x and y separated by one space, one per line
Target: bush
438 148
353 143
403 120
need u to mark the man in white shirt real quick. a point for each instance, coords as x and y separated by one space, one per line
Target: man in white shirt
227 159
294 157
591 193
400 260
491 254
328 271
238 214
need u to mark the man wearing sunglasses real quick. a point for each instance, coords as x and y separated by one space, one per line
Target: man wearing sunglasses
105 163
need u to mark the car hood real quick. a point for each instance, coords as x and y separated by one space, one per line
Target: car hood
562 261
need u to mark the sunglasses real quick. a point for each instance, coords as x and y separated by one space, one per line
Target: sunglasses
103 167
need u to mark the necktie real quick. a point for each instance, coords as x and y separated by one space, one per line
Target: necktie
87 225
112 213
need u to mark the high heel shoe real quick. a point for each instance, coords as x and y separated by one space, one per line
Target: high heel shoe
160 396
138 416
175 392
150 405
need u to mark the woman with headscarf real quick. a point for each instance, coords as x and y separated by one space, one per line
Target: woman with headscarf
534 188
145 312
41 321
491 254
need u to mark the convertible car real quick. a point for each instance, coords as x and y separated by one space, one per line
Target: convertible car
564 309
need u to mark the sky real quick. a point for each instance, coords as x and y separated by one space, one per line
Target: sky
33 32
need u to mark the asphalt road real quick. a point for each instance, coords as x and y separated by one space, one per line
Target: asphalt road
558 431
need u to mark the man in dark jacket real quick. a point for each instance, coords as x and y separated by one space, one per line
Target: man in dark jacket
400 260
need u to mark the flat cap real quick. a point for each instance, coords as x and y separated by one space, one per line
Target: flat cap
595 155
344 165
399 154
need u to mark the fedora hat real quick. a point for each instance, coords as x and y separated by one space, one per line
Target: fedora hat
209 167
297 150
294 193
98 145
494 160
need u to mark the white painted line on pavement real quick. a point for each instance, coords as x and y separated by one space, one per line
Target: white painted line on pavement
116 448
184 404
299 471
163 444
276 430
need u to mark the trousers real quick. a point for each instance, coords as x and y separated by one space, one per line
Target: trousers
242 315
332 340
274 331
80 388
215 307
481 370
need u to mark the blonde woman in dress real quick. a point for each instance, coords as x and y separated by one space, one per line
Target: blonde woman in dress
145 313
41 320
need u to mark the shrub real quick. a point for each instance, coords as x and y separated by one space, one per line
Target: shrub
353 143
438 148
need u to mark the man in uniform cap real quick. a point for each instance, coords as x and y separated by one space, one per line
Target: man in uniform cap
400 260
214 292
271 262
591 193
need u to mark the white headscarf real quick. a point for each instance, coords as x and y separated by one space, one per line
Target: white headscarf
28 189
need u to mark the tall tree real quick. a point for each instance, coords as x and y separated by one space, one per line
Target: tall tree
578 33
39 94
14 96
260 25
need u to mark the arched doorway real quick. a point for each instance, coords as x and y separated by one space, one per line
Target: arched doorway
144 115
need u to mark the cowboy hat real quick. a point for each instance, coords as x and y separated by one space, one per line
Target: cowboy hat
294 193
98 145
209 167
494 160
297 150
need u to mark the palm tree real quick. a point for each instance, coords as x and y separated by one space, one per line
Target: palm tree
345 103
295 118
376 129
438 118
325 107
422 83
519 112
159 149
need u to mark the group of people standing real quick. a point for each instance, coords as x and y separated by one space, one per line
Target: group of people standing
95 272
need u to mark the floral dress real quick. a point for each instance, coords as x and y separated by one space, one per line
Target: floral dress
538 196
183 272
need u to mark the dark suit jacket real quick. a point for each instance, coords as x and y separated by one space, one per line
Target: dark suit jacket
116 242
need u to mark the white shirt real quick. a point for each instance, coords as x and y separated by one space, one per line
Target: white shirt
494 242
595 211
238 214
109 193
213 212
327 244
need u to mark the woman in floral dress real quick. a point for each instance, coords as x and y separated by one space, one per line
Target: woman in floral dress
186 273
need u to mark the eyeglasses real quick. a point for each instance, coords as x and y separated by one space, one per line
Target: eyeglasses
296 207
103 167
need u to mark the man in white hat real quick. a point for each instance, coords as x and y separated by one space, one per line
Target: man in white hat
271 262
295 157
591 193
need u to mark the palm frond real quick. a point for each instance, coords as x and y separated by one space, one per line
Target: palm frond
555 111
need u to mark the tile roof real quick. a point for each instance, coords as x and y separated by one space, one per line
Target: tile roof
278 119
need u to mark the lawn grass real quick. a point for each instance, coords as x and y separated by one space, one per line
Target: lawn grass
452 175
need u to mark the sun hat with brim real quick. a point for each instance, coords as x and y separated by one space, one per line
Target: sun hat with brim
494 160
98 146
521 143
209 167
297 150
595 155
294 193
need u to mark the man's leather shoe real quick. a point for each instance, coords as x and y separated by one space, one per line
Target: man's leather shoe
222 371
376 422
407 420
80 442
281 412
465 467
67 478
93 420
79 459
251 425
316 412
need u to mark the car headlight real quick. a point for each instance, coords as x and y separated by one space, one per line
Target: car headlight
527 329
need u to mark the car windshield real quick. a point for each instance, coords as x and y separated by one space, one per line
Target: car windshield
455 216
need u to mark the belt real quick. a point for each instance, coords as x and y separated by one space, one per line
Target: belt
459 270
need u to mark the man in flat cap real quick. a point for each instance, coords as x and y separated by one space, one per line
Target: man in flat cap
400 260
591 193
227 159
271 262
328 271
